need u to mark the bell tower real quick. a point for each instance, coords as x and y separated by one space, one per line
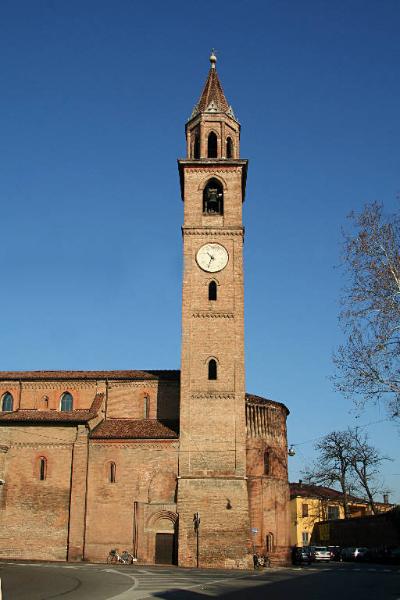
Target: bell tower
212 457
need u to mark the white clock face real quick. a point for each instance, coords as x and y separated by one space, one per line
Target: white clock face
212 257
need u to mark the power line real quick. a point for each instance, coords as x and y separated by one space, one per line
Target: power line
358 427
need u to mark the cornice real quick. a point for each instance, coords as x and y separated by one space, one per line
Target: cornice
207 231
213 396
213 315
41 444
57 385
133 444
141 384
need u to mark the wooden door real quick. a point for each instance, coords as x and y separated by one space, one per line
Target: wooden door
165 548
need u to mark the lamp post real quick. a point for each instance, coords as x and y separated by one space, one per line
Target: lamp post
196 523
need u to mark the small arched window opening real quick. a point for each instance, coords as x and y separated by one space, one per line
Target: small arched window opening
196 147
42 468
146 406
67 402
269 542
213 198
212 145
212 290
212 369
7 402
267 463
229 148
112 474
44 403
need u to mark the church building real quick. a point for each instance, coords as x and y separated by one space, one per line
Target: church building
177 467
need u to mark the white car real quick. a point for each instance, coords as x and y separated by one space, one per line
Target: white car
320 553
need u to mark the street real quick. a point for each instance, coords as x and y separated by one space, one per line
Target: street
333 581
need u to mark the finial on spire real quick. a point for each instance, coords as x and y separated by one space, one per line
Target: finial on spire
213 59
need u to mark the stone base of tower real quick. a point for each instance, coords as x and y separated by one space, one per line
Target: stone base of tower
223 536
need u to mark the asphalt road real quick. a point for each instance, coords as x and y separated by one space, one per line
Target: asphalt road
333 581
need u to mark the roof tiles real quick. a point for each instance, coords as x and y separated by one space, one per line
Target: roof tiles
135 429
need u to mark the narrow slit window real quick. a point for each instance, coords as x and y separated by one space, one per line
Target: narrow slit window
196 147
7 402
212 369
146 407
112 473
267 463
229 148
212 149
270 542
212 291
42 468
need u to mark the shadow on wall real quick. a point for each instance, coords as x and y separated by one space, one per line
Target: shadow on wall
168 401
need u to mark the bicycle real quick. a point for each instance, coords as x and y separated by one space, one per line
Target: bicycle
125 558
263 561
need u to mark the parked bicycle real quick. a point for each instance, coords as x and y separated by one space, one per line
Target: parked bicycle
125 558
261 561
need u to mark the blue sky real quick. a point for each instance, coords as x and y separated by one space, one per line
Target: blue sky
94 100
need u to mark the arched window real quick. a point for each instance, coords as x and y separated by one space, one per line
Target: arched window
212 369
212 145
7 402
269 542
212 290
112 473
42 468
267 463
67 402
196 147
146 406
213 198
229 148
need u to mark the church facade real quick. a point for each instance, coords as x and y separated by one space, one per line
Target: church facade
177 467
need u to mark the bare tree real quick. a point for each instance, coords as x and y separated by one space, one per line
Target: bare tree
346 460
365 461
333 465
368 363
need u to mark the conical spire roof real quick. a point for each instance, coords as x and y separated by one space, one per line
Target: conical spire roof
212 98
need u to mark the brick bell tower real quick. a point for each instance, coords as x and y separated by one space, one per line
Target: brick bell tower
212 460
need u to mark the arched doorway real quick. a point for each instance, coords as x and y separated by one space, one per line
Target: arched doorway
164 526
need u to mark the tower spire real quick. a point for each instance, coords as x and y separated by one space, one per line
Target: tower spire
212 99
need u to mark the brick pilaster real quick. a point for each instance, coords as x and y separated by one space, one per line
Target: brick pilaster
77 510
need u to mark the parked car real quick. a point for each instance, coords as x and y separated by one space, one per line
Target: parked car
320 553
354 553
335 552
301 556
394 555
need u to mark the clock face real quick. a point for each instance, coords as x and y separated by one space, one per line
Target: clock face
212 257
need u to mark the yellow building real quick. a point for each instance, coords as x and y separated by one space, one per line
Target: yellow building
310 504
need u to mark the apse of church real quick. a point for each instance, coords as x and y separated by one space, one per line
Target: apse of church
175 466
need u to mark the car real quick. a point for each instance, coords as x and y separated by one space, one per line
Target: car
335 552
320 554
354 553
301 556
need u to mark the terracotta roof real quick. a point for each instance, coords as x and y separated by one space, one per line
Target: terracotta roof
253 399
306 490
212 98
135 429
69 375
53 416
